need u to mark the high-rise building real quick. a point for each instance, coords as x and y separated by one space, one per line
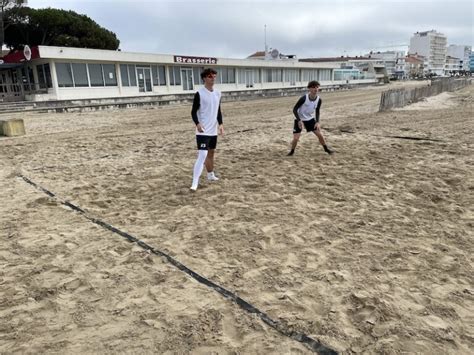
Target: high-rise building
432 46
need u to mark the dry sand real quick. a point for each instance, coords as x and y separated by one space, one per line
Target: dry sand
442 101
369 250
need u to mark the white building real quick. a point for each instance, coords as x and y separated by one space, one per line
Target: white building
432 46
453 65
354 68
461 52
62 73
389 59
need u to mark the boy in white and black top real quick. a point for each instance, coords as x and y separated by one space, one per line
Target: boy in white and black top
306 113
207 117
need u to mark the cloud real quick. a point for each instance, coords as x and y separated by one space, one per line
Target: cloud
229 28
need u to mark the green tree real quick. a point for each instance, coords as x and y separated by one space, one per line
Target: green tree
55 27
6 5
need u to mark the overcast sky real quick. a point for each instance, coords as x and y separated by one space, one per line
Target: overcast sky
307 28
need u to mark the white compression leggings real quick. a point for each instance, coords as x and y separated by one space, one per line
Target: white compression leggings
199 166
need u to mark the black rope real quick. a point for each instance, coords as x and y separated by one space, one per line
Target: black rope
414 138
313 344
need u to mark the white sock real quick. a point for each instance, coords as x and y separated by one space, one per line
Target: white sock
210 174
198 167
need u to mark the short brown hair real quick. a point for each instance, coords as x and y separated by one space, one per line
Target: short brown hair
313 84
206 72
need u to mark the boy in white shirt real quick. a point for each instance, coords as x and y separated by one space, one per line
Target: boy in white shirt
207 116
306 113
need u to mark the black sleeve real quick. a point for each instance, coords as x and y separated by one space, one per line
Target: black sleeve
219 115
317 110
194 110
298 105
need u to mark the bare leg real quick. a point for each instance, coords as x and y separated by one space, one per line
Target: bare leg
294 142
322 141
320 137
210 161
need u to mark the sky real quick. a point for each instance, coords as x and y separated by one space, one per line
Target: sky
307 28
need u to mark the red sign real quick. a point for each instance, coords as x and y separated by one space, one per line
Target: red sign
194 60
19 57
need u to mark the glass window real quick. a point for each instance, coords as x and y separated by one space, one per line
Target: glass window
241 76
162 75
132 74
124 74
257 76
171 74
64 73
219 75
268 76
41 77
197 76
231 76
176 77
110 75
80 75
224 76
306 75
44 76
278 73
47 75
148 82
95 74
154 74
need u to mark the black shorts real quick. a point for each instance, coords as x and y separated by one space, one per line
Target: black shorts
309 125
206 142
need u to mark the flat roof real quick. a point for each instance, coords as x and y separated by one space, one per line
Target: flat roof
337 59
86 54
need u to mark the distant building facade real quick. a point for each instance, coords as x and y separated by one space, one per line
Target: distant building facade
462 52
432 45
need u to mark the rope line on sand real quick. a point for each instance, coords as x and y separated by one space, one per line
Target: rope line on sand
313 344
413 138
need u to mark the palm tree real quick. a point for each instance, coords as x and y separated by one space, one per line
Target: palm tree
5 5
